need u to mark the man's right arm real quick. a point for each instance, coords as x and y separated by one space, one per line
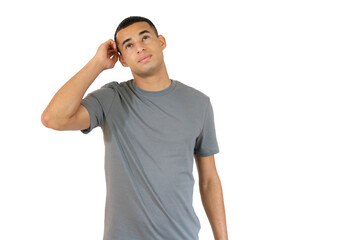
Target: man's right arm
65 111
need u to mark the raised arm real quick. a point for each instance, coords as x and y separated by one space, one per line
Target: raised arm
65 111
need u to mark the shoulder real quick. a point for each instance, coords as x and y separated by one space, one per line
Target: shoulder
104 94
109 89
117 87
191 92
109 86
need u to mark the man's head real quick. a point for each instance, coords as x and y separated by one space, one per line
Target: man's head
140 46
133 19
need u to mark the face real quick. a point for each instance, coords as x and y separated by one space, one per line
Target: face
140 49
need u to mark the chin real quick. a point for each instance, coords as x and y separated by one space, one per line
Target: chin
147 70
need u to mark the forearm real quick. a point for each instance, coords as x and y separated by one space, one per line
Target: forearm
67 100
213 202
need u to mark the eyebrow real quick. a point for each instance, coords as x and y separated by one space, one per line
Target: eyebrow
129 39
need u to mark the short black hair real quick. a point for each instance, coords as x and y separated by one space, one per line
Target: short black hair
129 21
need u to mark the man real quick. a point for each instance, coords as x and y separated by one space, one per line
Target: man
153 126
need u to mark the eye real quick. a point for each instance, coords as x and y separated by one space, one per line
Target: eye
128 46
145 37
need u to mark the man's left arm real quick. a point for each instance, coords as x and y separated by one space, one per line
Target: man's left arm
212 195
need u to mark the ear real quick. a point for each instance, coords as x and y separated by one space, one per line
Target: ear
162 41
122 60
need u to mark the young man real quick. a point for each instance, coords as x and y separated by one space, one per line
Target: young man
153 126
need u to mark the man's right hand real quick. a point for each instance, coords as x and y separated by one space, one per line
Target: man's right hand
107 54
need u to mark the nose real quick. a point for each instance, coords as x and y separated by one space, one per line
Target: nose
140 47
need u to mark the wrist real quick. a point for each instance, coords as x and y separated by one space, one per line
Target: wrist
97 64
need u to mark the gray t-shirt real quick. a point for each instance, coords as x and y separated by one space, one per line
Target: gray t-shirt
150 141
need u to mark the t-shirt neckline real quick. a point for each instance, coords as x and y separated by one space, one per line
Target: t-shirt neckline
154 93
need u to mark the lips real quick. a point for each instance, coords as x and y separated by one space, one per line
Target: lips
145 58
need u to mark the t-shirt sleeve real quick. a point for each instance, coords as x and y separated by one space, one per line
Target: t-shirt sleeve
206 143
97 103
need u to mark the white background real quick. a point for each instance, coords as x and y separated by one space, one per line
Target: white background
269 67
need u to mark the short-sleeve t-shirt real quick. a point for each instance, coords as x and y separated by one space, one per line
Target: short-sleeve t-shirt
150 139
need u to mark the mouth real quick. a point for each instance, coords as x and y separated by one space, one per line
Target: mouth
145 58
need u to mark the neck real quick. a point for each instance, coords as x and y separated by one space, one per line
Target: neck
154 82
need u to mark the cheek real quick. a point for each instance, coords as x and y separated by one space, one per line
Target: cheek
127 57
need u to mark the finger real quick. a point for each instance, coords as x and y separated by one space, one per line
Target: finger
115 46
108 44
111 52
115 58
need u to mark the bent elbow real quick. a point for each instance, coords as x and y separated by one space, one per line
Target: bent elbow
45 120
49 122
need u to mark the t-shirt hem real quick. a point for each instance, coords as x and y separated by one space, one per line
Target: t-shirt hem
87 106
206 154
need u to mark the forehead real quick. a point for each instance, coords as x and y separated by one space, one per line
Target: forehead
132 31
